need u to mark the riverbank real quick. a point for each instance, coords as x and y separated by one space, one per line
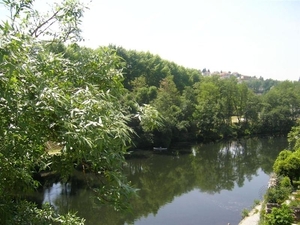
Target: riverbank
253 217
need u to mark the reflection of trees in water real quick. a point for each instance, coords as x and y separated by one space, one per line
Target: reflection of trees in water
77 196
220 166
160 178
210 168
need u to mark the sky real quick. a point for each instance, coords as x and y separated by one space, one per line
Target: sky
251 37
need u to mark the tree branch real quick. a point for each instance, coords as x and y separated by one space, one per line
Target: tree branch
44 23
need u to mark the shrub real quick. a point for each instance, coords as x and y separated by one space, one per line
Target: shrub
27 213
256 202
245 213
285 182
280 216
277 194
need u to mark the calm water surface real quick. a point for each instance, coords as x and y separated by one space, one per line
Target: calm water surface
201 184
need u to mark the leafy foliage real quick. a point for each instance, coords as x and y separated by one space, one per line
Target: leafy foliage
206 105
280 216
281 107
277 194
294 137
67 95
288 164
261 86
25 213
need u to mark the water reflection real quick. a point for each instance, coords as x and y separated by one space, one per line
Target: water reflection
186 186
57 191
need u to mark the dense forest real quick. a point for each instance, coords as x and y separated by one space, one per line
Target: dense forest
196 107
95 104
204 108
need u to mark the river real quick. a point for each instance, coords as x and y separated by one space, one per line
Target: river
207 184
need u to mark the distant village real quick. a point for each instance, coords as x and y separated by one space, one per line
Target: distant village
228 74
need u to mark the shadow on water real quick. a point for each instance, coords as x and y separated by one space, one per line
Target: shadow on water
192 184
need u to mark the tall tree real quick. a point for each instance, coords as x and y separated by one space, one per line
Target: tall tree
208 114
67 95
167 103
281 107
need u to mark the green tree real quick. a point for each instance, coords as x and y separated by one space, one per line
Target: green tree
209 113
294 137
288 164
261 86
142 93
49 92
168 104
154 69
187 106
281 107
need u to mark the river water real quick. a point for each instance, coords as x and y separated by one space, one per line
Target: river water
201 184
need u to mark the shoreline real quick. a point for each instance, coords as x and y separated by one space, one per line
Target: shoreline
254 216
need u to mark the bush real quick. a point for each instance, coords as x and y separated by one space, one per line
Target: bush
285 182
245 213
256 202
277 194
23 213
280 216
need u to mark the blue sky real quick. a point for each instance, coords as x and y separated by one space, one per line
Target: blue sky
252 37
